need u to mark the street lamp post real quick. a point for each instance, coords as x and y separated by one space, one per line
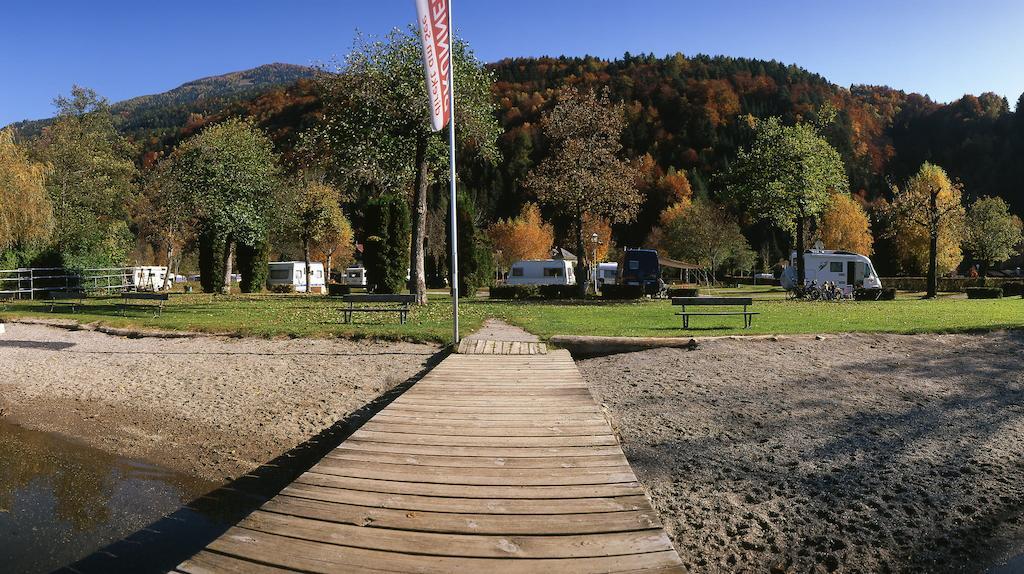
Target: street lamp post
595 240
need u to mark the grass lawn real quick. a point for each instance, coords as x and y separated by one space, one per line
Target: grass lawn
297 316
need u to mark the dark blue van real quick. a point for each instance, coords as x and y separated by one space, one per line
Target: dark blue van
640 267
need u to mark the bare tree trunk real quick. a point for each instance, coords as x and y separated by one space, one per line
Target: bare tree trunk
308 271
801 269
230 254
167 275
417 275
933 244
581 255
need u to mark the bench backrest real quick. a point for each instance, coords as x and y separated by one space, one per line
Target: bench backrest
378 298
712 301
146 296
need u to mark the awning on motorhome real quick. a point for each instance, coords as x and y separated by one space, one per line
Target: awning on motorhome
676 264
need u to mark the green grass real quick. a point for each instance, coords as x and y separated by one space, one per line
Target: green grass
298 316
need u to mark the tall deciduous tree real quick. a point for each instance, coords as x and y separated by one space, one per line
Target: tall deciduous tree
785 177
92 181
376 129
706 234
228 175
526 236
846 226
928 223
317 219
26 215
584 174
163 216
993 233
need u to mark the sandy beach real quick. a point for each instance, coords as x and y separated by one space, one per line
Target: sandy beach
853 453
211 407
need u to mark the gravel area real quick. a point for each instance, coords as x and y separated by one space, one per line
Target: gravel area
212 407
852 453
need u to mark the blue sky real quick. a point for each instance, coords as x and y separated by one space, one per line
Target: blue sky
122 49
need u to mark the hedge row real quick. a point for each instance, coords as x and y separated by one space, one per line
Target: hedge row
684 292
883 294
947 284
534 292
984 292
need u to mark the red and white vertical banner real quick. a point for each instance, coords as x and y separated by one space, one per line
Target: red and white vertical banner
436 37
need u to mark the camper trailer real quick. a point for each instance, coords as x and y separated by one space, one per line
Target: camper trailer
607 273
294 273
148 277
354 276
847 270
541 272
641 268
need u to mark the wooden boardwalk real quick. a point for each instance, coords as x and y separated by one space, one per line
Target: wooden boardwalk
490 464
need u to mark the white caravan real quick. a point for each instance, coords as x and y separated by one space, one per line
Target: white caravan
294 273
843 268
355 276
541 272
606 273
148 277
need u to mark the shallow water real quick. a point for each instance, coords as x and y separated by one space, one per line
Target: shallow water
61 500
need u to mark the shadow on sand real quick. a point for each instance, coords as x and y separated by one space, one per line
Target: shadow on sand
167 542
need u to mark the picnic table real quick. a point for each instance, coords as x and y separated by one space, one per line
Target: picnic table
73 298
382 304
155 300
748 316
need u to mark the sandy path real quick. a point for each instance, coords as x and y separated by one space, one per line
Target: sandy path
212 407
857 453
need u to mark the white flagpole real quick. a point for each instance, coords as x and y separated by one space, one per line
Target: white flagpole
451 177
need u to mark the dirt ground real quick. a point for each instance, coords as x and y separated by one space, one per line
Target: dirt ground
208 406
855 453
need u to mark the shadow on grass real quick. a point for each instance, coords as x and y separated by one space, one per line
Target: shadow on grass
164 544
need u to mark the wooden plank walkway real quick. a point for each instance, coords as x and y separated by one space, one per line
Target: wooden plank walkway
492 464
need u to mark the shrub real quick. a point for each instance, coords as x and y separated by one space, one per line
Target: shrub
253 265
212 247
684 292
622 292
337 289
386 250
558 291
1013 289
984 292
883 294
282 288
514 292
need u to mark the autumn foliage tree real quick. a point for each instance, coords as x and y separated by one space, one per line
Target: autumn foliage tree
584 175
705 234
26 215
526 236
846 226
928 223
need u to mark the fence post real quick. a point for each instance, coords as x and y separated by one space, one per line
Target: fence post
31 285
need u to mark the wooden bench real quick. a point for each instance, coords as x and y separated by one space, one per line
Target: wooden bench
155 300
748 316
73 298
396 304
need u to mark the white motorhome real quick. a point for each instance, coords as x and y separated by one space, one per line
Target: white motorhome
355 276
294 273
541 272
148 277
845 269
606 273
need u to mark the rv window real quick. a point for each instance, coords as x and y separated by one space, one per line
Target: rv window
319 274
517 271
552 271
634 264
278 274
609 274
835 267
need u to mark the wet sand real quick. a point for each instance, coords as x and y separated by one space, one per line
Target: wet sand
856 453
211 407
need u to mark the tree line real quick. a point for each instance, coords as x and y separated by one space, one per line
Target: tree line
664 152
